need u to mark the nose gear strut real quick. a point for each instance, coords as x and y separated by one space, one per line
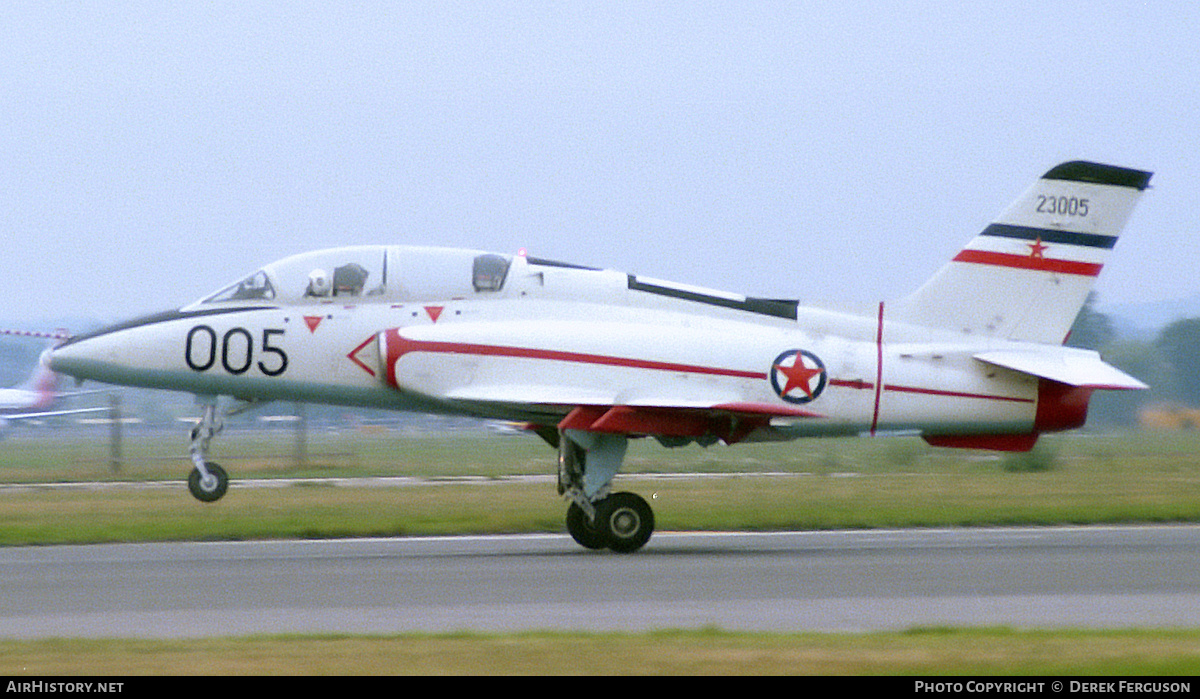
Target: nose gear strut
207 481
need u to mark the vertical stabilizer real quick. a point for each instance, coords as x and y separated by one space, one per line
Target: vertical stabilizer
1028 273
44 384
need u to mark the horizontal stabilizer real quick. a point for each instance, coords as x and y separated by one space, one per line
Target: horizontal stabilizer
1066 365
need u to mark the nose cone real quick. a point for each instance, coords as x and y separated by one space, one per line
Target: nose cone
91 357
70 359
123 354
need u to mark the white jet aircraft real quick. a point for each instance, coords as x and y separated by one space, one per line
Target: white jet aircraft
35 398
590 357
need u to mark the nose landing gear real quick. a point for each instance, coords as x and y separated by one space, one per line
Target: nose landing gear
207 481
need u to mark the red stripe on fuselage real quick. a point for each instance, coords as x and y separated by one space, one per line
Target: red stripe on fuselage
866 386
878 368
1039 264
398 346
955 394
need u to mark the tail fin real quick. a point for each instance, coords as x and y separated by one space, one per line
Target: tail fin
1027 275
44 383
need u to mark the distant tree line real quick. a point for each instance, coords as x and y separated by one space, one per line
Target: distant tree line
1169 363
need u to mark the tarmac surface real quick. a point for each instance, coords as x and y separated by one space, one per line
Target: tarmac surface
1045 577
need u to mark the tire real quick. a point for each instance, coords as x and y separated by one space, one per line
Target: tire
583 531
626 521
215 490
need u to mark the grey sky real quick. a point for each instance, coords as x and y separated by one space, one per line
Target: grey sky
152 152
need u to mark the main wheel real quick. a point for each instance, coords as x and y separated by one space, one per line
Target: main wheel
212 488
626 521
582 530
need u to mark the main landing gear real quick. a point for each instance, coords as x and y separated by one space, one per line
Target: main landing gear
597 518
207 481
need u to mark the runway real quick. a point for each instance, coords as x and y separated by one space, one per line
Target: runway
823 581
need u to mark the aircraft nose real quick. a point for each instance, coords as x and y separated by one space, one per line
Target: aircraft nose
79 359
110 354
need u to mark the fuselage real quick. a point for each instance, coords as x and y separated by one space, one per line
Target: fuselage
21 400
468 332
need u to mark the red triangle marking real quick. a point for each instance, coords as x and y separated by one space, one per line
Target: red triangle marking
312 322
434 312
353 356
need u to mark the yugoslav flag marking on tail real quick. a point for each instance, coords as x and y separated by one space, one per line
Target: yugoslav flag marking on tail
1039 249
1028 273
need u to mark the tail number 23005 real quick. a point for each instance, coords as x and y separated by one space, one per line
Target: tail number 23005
236 350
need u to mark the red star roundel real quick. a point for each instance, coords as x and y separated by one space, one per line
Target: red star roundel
798 376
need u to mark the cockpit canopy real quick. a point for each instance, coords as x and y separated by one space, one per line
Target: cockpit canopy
367 273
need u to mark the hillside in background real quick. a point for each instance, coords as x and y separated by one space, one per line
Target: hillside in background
1145 320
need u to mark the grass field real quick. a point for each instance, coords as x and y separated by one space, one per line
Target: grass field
978 652
1078 478
819 484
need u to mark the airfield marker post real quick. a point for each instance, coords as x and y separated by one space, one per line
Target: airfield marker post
301 453
115 459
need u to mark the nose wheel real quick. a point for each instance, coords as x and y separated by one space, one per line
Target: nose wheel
210 485
207 481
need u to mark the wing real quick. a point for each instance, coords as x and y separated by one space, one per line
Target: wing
637 380
52 413
730 421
